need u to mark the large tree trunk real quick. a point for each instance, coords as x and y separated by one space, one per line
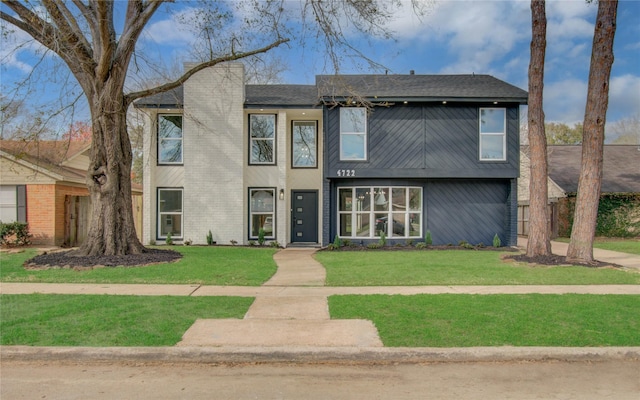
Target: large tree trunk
589 184
112 230
539 237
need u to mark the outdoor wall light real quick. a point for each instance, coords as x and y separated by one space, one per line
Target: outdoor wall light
281 195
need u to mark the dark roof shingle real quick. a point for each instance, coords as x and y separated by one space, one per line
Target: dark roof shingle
621 168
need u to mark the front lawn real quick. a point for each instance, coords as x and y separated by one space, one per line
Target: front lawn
100 320
216 265
569 320
631 246
454 267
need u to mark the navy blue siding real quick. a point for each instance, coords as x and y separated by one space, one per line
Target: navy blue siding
469 210
423 141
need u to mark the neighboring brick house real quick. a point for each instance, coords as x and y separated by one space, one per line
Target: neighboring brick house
621 176
352 155
43 183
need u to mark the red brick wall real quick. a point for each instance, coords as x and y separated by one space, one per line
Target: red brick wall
45 211
40 206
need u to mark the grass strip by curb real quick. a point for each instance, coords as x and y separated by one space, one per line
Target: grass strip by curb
101 320
569 320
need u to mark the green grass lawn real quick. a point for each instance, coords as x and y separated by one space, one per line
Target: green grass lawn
239 266
631 246
454 267
92 320
568 320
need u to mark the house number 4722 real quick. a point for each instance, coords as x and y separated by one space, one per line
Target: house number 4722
346 172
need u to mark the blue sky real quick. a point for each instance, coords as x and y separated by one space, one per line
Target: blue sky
454 37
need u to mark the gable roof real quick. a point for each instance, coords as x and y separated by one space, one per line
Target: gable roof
462 88
421 87
621 168
47 156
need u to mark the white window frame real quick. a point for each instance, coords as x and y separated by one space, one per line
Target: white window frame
267 214
493 134
371 213
344 133
271 139
165 214
160 140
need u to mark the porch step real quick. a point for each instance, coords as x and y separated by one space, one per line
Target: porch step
281 333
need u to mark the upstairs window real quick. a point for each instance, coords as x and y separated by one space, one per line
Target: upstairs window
170 139
304 154
353 133
262 133
493 134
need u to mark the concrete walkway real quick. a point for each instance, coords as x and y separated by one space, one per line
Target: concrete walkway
291 308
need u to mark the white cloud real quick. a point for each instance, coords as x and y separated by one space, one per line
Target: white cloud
171 31
624 96
17 44
564 101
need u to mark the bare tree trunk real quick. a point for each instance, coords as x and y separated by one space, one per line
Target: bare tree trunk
112 228
539 236
590 182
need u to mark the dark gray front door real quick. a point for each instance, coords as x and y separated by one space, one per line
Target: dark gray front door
304 216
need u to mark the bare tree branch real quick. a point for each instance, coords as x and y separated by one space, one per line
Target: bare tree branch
172 85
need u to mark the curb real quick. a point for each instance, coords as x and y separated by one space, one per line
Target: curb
309 355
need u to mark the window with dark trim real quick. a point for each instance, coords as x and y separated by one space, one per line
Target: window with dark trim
304 144
169 139
262 138
169 213
262 213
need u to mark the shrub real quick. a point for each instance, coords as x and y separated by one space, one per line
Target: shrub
421 245
408 242
168 240
187 242
209 238
337 242
252 242
18 231
383 239
275 244
496 241
373 246
427 239
261 237
234 242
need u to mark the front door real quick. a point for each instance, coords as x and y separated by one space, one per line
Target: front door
304 216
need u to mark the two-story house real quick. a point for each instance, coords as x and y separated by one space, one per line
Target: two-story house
352 155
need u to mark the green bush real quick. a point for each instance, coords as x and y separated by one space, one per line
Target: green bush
209 238
261 239
496 241
169 239
427 239
383 239
15 233
337 242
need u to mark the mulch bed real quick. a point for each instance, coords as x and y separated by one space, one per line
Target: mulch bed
66 259
557 260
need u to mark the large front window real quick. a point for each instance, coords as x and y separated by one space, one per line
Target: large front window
170 139
169 213
353 133
262 213
493 122
367 212
262 131
303 149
